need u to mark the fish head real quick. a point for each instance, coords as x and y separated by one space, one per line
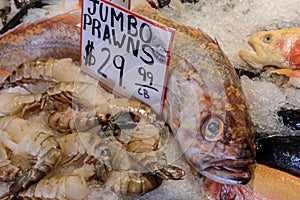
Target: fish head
216 133
222 151
268 47
232 155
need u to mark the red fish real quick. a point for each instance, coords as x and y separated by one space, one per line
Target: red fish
205 105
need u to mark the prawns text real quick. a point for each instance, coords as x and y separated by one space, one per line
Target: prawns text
105 21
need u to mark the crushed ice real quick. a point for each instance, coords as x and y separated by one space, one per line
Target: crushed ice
230 22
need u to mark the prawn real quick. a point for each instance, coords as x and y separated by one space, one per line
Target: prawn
22 138
57 97
85 99
134 183
104 151
42 69
71 185
143 143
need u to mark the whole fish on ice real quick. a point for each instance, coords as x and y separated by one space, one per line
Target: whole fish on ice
204 106
279 48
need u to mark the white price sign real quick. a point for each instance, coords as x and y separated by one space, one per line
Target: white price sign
127 52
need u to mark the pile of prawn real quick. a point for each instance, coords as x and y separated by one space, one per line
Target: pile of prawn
83 134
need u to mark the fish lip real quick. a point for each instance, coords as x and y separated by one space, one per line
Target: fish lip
235 172
251 44
248 55
252 58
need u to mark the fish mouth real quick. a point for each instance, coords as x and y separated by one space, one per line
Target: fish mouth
256 57
235 172
250 57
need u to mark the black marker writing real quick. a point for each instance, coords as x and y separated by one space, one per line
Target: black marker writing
146 75
89 57
119 63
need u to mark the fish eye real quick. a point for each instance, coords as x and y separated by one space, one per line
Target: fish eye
212 128
267 38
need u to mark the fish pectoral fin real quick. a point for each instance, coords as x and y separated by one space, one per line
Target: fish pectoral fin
287 72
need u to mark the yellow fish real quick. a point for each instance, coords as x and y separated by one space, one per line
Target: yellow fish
279 48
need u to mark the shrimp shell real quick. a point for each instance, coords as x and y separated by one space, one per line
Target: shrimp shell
102 101
147 148
65 186
59 96
107 115
87 94
77 94
42 69
81 144
69 120
134 183
17 103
